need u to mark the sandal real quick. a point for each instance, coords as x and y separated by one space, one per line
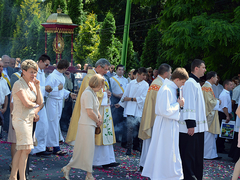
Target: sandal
60 153
49 149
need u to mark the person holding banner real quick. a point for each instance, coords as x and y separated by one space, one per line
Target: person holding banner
118 84
225 110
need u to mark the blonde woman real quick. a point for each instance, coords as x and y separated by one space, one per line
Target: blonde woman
26 95
85 140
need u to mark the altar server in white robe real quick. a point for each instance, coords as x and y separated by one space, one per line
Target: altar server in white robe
41 131
54 104
163 159
211 106
148 115
193 124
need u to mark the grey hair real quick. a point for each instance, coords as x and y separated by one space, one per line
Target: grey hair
102 62
5 56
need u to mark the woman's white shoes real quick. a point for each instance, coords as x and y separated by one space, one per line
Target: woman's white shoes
66 171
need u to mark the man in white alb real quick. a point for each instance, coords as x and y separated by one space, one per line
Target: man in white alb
118 85
163 159
193 124
54 104
41 130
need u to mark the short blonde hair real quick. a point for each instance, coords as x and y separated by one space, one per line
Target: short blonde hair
27 64
96 81
180 73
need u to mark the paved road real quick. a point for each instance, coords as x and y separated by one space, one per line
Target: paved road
49 168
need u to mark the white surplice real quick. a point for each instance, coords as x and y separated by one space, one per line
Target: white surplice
163 159
54 106
41 131
194 107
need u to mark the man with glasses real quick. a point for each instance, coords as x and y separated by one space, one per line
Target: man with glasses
42 125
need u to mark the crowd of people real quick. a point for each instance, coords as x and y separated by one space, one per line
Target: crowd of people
172 118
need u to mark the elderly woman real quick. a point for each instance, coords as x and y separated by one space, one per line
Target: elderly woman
85 140
26 95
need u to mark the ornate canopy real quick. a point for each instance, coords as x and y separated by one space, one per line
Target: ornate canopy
59 23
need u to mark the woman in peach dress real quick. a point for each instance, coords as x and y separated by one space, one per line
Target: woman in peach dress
26 95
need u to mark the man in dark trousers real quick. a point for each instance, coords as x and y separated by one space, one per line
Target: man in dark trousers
193 124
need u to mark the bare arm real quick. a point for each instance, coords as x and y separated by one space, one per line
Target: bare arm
37 109
24 99
92 115
225 110
39 98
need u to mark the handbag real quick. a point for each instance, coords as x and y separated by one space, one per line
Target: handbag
97 130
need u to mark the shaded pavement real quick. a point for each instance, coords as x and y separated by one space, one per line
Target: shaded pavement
49 168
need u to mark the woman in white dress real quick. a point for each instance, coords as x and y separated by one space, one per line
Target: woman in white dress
90 118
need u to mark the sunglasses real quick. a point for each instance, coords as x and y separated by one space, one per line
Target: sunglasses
46 64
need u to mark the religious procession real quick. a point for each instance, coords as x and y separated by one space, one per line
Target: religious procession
87 94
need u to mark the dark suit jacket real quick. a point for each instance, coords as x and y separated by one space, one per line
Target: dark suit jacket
14 78
10 71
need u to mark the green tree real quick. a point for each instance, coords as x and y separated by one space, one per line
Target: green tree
75 11
62 4
87 42
5 25
202 29
150 49
26 33
107 39
132 58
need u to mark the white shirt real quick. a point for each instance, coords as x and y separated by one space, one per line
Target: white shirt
41 78
115 87
225 101
5 73
217 90
194 107
4 90
136 90
54 80
236 94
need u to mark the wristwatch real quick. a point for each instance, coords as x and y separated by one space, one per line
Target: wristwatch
131 99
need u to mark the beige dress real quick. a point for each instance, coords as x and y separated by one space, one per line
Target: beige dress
84 147
22 116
